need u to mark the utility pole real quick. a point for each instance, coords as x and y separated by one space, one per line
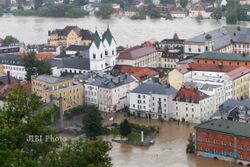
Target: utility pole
52 119
61 114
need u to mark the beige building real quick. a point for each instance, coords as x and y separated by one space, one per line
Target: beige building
192 105
240 78
70 91
70 35
139 56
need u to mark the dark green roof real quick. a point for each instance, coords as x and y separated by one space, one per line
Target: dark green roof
226 126
97 39
107 35
223 56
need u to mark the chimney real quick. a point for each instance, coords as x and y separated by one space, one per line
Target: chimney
8 78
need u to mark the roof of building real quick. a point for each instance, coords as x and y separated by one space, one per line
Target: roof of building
136 52
108 36
140 73
201 86
51 79
223 56
11 59
224 36
97 39
106 80
205 67
238 72
190 95
226 126
77 48
155 88
76 63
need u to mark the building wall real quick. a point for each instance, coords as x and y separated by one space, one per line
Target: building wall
97 57
194 112
212 144
15 71
175 79
72 94
147 105
241 87
170 63
111 52
150 60
224 62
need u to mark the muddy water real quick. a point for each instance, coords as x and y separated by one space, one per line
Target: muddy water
168 150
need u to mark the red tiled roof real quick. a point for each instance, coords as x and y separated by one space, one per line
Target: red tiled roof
140 73
5 89
190 95
136 52
240 71
39 56
205 67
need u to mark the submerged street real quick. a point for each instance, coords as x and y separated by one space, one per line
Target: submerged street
168 150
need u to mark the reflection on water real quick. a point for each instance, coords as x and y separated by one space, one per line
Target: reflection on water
126 31
168 150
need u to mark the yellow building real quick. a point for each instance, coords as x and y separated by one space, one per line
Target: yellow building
70 35
1 68
240 78
70 91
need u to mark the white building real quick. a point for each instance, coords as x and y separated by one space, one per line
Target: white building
192 105
13 64
109 93
152 100
216 91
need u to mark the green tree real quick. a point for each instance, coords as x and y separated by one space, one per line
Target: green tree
125 128
217 13
232 12
231 16
183 3
167 2
38 3
21 118
80 153
105 11
92 122
153 12
33 66
190 146
9 39
1 12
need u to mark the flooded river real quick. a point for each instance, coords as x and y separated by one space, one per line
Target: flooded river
168 150
126 32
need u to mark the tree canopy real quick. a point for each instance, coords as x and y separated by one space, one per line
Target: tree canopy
34 66
125 128
92 122
217 13
9 39
23 116
153 12
105 11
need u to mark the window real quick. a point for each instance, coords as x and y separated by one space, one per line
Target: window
106 52
189 50
139 96
101 55
94 56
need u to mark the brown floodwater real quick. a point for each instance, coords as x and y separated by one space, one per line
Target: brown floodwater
168 150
